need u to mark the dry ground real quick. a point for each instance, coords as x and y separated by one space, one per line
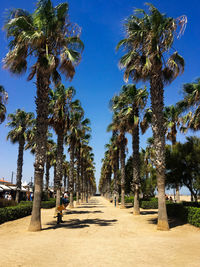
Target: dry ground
98 234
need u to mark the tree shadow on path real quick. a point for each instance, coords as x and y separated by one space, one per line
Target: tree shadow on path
91 207
76 223
173 222
81 211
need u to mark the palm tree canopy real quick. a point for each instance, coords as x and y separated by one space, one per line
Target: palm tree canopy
59 108
149 39
191 102
3 101
48 35
128 103
20 122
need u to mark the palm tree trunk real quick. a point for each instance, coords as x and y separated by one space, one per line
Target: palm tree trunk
78 177
42 101
59 166
54 179
48 166
177 194
136 168
71 174
174 131
19 167
65 179
122 161
157 97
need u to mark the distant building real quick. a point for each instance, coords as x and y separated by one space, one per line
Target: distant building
2 181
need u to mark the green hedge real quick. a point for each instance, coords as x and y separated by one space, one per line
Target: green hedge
193 216
184 212
129 199
21 210
13 213
48 204
149 204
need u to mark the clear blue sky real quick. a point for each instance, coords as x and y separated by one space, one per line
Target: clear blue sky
97 78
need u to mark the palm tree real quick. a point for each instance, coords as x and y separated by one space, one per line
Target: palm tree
132 100
66 173
121 126
49 155
172 120
20 121
149 38
3 101
87 165
35 35
75 117
82 136
60 101
114 162
191 101
31 144
107 170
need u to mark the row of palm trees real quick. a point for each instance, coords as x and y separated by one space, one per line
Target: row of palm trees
66 117
52 41
148 42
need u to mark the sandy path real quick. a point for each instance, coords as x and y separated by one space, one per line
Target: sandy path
97 234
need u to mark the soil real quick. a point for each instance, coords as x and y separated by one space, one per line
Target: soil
99 234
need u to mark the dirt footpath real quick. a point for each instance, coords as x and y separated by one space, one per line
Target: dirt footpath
98 234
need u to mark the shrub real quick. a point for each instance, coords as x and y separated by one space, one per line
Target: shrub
191 204
129 199
184 212
48 204
193 216
16 212
149 204
23 209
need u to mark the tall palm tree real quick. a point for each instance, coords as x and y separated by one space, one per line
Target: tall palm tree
172 120
107 170
149 39
31 144
121 126
114 163
75 117
34 35
49 156
20 121
66 173
82 136
3 101
60 101
86 166
132 101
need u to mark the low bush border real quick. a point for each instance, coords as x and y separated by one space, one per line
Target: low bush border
22 210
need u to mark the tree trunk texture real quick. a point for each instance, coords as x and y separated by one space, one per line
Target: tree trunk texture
42 101
122 162
177 194
81 180
115 195
78 177
157 104
48 166
19 167
54 179
136 167
65 179
59 166
71 175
